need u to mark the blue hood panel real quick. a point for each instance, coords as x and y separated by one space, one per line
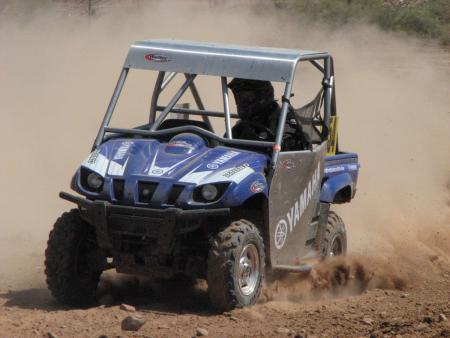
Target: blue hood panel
185 160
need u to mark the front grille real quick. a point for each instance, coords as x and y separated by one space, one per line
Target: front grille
175 193
146 191
118 186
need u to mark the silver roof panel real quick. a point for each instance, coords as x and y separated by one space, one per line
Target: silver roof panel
272 64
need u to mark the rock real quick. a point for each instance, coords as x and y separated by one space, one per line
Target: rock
233 318
127 307
367 320
404 295
132 323
428 320
103 336
106 300
51 335
442 317
163 327
283 330
201 332
383 314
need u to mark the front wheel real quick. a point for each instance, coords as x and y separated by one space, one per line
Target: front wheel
73 260
236 264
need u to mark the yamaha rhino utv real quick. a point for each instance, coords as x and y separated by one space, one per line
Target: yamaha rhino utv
174 197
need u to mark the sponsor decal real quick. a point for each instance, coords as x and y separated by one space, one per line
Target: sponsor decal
331 170
287 164
353 167
157 58
97 162
212 166
235 170
336 169
222 159
257 187
288 223
236 175
92 159
122 151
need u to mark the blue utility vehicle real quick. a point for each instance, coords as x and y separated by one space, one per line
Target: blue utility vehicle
177 196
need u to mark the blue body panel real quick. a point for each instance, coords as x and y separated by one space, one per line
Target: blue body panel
340 172
186 163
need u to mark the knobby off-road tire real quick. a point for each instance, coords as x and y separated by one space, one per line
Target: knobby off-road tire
335 237
236 265
70 260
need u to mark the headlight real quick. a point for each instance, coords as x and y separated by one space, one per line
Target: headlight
94 181
90 180
209 192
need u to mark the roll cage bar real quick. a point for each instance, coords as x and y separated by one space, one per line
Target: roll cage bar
260 64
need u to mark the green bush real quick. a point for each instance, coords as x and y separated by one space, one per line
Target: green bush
428 19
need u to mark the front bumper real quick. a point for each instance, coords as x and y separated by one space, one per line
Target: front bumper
161 224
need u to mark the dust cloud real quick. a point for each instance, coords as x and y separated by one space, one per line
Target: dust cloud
339 277
58 68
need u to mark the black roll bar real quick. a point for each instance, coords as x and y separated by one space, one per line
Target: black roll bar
176 130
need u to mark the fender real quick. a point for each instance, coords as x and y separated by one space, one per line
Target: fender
333 185
252 185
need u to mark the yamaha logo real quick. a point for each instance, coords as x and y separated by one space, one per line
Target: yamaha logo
281 234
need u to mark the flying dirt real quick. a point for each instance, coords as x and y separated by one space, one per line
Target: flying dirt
58 69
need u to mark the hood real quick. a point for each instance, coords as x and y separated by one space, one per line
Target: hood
184 159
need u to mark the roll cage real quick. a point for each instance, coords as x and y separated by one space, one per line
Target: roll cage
171 57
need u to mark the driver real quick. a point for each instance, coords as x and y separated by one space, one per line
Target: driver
258 113
257 109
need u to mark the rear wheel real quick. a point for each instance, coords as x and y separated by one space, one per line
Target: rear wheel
335 237
72 260
236 266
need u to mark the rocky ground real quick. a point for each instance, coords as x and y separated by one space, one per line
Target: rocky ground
345 298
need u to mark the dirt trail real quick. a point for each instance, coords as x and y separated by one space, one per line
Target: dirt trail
57 74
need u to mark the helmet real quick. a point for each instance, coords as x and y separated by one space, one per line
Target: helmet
254 98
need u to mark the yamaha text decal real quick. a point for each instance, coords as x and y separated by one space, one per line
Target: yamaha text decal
288 223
